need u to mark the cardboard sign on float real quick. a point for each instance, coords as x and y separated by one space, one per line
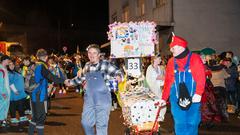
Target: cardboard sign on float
133 39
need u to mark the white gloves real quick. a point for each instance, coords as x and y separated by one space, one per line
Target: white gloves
162 102
196 98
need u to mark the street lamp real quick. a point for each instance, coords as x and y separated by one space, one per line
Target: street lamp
1 24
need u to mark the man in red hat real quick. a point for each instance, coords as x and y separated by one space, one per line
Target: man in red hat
184 84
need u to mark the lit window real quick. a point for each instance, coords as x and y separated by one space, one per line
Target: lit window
160 3
141 6
125 16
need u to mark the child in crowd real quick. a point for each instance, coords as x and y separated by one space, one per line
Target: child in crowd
77 65
27 73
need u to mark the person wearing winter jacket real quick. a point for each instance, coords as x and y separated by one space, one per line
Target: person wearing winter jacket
231 83
17 96
4 90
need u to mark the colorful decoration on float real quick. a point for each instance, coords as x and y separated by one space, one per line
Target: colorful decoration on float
133 39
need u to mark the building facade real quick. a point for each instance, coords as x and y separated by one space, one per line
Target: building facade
203 23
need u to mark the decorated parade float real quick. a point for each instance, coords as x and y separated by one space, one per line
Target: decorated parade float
132 41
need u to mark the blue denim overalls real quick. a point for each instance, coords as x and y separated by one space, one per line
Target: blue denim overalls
185 121
97 104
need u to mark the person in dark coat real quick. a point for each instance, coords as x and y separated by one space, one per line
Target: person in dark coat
231 83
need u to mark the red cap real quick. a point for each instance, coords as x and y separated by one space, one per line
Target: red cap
176 40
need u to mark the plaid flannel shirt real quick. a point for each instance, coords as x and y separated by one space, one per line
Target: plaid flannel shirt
104 66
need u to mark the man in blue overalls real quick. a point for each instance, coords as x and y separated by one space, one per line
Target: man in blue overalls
184 83
97 98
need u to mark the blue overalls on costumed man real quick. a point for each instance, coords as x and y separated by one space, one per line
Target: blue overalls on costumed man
97 104
185 121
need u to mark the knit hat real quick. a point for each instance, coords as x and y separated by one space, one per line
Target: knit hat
176 40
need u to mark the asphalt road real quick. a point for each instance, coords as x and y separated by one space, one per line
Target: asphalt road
65 115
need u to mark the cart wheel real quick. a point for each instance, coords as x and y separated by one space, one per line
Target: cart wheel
127 131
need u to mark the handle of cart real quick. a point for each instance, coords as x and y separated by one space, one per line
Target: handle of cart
154 128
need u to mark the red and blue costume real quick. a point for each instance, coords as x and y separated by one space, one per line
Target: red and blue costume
189 70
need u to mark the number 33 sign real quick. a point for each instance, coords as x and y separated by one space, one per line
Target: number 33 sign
134 67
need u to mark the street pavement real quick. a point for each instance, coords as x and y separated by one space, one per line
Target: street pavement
65 116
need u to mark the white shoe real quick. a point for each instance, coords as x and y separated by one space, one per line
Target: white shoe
23 119
115 105
112 108
60 92
3 123
14 121
28 112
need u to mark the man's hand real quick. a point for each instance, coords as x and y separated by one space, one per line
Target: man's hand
196 98
162 103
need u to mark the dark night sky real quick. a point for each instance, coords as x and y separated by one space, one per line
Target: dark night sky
74 21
